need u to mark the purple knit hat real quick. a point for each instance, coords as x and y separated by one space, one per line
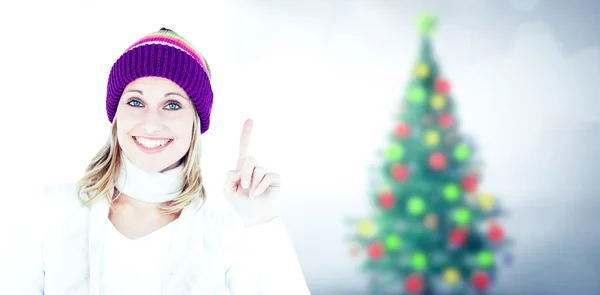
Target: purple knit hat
163 54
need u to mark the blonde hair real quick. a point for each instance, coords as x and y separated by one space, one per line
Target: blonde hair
103 171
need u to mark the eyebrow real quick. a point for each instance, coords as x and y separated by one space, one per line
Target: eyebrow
166 94
134 90
175 93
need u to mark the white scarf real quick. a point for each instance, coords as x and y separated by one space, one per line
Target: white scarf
150 187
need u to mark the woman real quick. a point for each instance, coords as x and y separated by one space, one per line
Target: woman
139 221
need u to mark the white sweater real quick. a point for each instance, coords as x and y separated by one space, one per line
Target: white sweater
134 266
61 249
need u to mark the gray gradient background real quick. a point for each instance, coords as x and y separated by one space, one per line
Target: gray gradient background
525 75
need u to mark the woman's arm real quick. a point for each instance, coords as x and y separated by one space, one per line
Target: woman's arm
267 264
21 267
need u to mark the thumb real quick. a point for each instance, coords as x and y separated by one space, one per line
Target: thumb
232 180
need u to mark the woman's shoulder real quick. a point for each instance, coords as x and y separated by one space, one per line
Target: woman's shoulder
58 200
59 195
48 208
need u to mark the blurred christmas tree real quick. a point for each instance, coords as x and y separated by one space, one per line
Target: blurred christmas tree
433 231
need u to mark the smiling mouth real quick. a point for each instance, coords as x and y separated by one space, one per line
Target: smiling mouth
152 144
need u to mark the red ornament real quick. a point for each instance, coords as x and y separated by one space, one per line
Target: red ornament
469 183
402 130
386 200
480 281
413 284
375 251
399 172
458 237
495 233
445 120
437 161
442 86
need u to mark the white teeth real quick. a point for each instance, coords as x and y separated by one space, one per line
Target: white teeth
151 143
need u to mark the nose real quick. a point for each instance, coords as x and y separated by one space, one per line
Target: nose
152 122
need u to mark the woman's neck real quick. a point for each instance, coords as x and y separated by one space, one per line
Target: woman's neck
123 200
134 218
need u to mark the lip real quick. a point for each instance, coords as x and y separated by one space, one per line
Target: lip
155 150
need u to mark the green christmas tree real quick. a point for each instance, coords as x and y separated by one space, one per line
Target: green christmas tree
432 231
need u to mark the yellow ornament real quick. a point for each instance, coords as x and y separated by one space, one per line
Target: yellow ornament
451 276
432 138
431 221
421 70
438 101
486 202
365 228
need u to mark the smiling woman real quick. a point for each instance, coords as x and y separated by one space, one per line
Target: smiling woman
139 220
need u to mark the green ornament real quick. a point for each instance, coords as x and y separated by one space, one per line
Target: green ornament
416 94
426 24
394 152
418 261
485 258
393 242
416 205
462 216
451 192
462 152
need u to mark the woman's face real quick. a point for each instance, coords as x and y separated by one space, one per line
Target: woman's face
154 123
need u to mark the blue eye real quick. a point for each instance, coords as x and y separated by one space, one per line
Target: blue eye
134 103
173 106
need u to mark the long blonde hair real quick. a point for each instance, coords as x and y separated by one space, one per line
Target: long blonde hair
103 171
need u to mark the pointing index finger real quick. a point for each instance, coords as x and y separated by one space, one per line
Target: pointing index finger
245 141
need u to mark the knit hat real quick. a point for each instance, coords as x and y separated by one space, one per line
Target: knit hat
163 54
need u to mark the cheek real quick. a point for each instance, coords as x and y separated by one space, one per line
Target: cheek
184 131
125 126
183 141
122 133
